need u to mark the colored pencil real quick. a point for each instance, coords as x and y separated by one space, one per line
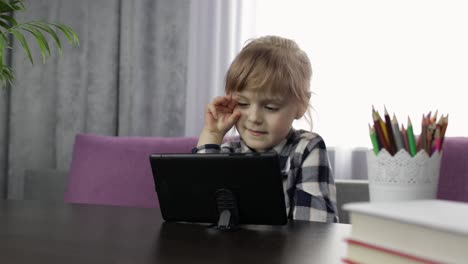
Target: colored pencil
386 133
437 140
411 143
382 125
379 132
397 134
375 143
405 138
434 117
431 127
418 143
423 135
391 138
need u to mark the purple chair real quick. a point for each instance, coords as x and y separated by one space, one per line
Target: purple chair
453 180
116 170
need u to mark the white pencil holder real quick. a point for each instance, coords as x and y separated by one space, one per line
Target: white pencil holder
402 177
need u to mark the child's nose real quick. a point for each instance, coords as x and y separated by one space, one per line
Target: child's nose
255 115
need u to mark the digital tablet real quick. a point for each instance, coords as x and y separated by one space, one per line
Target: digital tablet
224 189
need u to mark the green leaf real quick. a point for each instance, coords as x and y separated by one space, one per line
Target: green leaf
4 25
45 27
6 75
39 30
68 32
2 51
40 39
3 45
5 37
10 6
18 5
36 28
9 19
24 44
6 7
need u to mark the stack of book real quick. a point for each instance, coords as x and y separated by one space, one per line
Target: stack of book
419 231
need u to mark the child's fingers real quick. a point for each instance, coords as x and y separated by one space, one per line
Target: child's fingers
232 104
221 105
212 110
223 109
232 119
221 101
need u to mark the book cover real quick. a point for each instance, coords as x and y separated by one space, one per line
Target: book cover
432 229
363 252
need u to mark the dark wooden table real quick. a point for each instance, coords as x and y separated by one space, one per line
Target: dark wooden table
35 232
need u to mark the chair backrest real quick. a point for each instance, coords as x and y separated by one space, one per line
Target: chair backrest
453 179
116 170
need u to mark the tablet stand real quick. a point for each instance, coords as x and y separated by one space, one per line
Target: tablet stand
227 209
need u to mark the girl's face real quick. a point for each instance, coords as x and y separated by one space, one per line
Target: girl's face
265 121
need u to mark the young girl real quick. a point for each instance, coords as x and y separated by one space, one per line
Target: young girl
267 88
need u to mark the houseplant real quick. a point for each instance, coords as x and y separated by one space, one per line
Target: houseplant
11 29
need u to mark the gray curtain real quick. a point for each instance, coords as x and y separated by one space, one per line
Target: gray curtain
127 77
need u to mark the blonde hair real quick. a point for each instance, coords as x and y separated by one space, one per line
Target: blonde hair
272 65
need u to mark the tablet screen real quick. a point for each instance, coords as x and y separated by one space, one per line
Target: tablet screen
196 187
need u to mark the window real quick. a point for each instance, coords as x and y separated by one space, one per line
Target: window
411 56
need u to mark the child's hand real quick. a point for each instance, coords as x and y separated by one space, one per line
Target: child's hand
220 116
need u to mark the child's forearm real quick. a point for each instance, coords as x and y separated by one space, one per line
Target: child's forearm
209 137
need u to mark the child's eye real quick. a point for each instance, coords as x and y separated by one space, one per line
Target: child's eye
271 108
241 104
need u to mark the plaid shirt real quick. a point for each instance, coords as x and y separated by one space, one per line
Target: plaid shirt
308 182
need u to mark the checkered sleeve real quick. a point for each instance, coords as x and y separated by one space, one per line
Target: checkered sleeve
208 148
227 147
315 193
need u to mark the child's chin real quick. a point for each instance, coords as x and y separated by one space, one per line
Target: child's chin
257 146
